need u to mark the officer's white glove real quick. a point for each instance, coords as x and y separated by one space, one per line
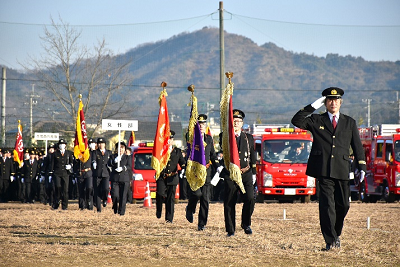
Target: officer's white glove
94 165
50 179
182 173
73 181
41 179
119 169
362 176
254 179
220 168
12 178
22 180
118 158
68 166
318 103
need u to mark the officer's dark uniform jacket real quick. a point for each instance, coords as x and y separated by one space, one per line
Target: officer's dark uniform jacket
101 161
125 163
170 172
30 171
330 160
6 168
210 155
58 162
247 155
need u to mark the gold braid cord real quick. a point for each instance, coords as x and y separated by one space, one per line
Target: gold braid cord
196 173
235 173
193 118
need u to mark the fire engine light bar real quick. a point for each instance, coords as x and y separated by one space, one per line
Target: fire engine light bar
146 144
398 130
285 130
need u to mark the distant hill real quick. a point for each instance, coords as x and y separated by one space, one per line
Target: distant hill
271 84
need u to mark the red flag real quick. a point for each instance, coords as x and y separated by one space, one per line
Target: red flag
131 139
229 146
19 146
81 150
161 151
208 130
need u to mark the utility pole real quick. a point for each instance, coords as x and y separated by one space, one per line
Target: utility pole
31 103
221 48
369 111
3 109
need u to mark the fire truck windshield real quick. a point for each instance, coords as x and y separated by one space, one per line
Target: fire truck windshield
142 161
286 151
397 150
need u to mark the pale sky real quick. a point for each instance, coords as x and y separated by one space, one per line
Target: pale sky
366 28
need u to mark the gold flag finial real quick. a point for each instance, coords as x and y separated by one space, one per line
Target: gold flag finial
19 121
191 88
80 96
229 75
163 85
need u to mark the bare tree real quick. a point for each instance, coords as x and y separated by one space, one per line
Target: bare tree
67 69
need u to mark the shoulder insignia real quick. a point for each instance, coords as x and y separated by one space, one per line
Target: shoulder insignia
362 162
321 127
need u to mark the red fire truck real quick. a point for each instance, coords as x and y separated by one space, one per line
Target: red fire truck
282 155
143 173
382 153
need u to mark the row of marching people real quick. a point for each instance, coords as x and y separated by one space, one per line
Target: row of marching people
57 176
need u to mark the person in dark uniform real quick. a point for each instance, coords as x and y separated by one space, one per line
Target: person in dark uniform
247 156
7 173
128 152
120 164
85 179
167 182
30 170
47 173
333 135
61 167
203 194
101 174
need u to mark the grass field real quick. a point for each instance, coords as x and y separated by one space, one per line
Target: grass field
35 235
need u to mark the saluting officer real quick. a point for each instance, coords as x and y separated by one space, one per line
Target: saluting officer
101 174
61 167
167 182
247 157
333 135
120 164
203 194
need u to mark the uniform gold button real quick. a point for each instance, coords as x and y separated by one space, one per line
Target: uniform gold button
333 146
332 156
333 136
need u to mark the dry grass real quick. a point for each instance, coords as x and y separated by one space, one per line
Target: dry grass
35 235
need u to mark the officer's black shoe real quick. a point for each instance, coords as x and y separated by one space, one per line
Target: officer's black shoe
158 214
328 247
201 228
337 242
248 230
168 221
230 234
189 215
104 203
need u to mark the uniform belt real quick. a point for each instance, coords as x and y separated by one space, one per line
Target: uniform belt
245 169
86 170
170 174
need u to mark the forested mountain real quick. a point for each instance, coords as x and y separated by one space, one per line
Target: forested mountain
270 83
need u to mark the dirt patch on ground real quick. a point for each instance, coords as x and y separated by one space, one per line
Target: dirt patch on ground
35 235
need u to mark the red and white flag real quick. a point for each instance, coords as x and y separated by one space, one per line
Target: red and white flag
19 146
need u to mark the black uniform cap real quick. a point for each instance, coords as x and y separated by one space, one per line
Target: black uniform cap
333 92
62 141
237 113
202 118
172 134
101 140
